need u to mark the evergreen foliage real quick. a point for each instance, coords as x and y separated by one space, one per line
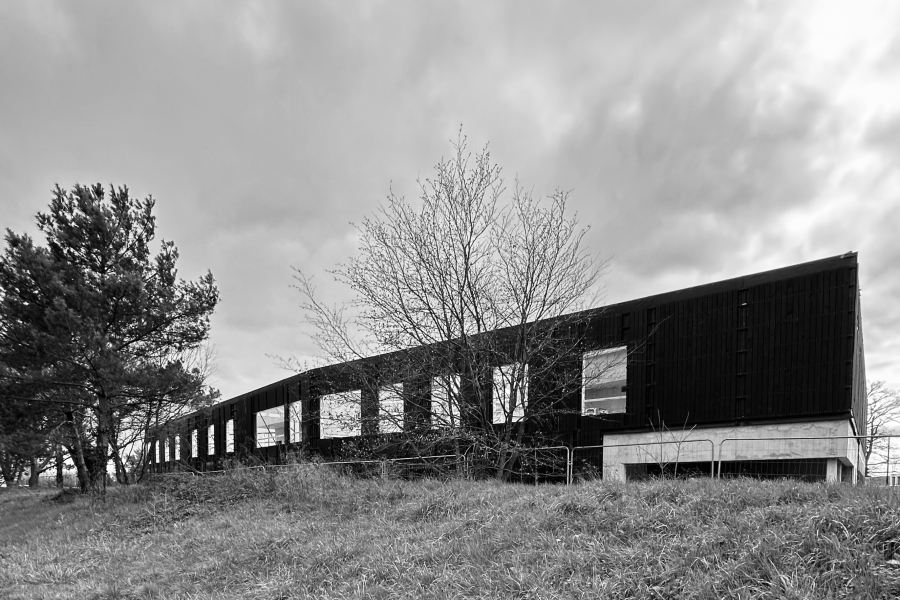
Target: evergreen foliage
98 327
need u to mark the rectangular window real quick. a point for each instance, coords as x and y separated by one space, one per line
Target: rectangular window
340 415
295 418
194 442
603 381
270 427
177 447
626 326
158 451
211 440
229 436
510 392
165 457
445 401
390 408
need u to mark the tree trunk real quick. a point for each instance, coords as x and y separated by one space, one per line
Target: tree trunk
121 471
7 468
101 452
506 459
141 467
34 475
84 480
60 480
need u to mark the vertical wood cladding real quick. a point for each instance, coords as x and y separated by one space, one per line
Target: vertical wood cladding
855 364
781 345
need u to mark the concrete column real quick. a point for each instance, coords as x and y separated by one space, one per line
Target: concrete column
832 472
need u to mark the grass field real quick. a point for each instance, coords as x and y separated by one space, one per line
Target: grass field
313 534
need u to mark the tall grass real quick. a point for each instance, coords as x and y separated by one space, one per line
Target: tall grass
311 533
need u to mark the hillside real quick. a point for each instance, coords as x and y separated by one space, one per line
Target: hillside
313 534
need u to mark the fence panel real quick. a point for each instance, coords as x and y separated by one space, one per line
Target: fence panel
544 464
812 458
416 467
69 480
413 467
354 468
883 465
676 458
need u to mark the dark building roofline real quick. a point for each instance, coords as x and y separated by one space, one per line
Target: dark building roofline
744 281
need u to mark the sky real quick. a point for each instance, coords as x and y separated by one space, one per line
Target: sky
699 140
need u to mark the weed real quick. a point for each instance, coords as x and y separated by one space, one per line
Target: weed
309 532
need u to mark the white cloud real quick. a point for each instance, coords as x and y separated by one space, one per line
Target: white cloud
258 24
701 141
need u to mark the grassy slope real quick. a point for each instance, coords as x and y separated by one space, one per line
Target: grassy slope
316 535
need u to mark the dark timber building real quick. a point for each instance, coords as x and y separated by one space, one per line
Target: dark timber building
764 357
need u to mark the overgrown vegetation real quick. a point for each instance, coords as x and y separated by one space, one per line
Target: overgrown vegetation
313 534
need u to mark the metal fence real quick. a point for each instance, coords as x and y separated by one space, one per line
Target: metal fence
545 464
812 458
808 458
405 468
416 467
883 466
68 480
666 458
533 465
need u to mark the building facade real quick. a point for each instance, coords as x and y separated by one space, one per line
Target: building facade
759 375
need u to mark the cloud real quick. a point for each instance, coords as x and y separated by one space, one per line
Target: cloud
701 140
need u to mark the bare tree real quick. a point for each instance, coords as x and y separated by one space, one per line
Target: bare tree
477 296
883 411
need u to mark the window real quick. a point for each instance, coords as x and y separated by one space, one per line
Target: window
229 436
445 401
603 381
211 440
270 427
165 457
194 444
390 408
158 451
510 392
340 415
295 418
177 447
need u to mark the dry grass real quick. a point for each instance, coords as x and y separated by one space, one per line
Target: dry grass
313 534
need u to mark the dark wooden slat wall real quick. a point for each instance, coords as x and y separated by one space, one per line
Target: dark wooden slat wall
856 362
781 345
795 342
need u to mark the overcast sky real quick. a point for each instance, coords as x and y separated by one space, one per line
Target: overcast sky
700 140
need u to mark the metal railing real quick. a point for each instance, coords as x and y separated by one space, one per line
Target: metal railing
382 464
521 463
803 456
535 464
662 459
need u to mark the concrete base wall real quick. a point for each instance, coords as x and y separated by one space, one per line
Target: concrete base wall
744 443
